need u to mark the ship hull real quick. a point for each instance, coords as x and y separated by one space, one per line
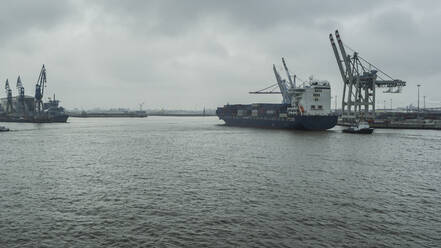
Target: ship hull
54 119
301 122
361 131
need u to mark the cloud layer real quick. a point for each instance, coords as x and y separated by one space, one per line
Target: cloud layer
190 54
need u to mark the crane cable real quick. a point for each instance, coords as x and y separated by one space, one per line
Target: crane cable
271 86
378 69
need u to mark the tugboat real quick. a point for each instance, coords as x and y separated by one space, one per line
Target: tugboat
361 127
3 129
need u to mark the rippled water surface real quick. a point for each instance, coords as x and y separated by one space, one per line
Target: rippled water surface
191 182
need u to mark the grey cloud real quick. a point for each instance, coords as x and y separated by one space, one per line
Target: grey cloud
176 16
19 16
182 54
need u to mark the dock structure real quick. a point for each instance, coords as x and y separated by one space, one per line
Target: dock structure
401 119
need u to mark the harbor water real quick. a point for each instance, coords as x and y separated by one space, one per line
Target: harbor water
193 182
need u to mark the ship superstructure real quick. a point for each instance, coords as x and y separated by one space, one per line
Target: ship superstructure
305 107
314 98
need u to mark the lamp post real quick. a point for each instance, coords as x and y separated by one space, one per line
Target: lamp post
424 100
384 104
418 97
391 104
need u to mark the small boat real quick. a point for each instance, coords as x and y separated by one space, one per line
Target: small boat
360 127
3 129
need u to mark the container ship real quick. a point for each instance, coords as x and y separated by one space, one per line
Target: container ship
23 108
305 107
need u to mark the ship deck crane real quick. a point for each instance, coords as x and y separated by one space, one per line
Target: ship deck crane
292 81
283 87
360 82
281 84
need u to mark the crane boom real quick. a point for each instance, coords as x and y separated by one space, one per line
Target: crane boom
20 89
264 92
9 107
337 57
7 87
21 107
39 89
293 85
19 83
282 86
42 80
346 59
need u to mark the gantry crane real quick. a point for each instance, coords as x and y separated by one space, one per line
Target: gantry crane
360 81
39 89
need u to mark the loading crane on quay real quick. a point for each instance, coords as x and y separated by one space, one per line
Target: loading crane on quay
9 107
360 81
39 90
21 96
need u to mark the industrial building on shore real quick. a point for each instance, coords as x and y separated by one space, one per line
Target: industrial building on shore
23 108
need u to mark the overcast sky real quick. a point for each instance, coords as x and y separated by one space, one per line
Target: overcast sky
189 54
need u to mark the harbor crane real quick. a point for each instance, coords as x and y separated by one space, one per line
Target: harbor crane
21 95
9 107
39 89
360 81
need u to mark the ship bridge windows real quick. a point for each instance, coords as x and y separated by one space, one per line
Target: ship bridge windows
318 107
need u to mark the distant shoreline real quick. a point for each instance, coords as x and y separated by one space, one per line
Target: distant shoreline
181 115
130 115
109 115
